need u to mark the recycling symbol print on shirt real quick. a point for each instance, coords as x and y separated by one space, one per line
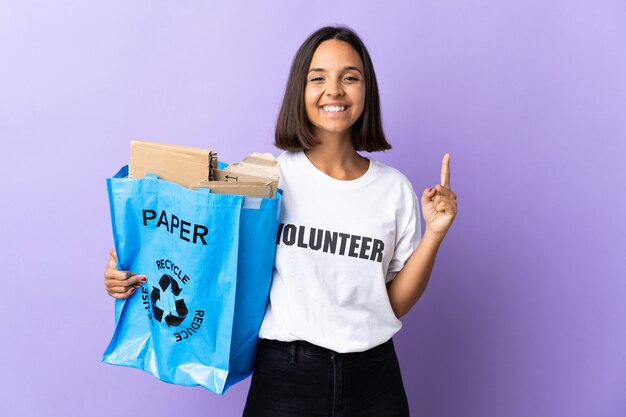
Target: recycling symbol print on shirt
165 302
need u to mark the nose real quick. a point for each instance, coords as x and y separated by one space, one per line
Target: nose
334 88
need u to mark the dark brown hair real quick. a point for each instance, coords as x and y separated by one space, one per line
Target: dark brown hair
293 129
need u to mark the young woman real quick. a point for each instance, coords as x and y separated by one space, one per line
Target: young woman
350 257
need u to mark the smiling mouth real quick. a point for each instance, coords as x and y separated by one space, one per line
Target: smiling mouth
335 109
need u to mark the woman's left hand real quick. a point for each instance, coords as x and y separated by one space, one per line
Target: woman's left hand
439 203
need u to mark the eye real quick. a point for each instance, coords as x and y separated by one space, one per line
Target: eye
316 79
351 78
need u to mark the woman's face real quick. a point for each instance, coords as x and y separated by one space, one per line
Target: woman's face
334 96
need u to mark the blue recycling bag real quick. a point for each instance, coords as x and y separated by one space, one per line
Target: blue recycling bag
208 259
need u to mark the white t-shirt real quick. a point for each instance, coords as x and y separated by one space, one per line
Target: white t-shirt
338 244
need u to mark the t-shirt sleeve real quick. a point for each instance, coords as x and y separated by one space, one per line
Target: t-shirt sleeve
408 234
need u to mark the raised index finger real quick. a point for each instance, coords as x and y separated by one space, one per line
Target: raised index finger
445 171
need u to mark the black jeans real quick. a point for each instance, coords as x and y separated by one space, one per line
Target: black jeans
299 379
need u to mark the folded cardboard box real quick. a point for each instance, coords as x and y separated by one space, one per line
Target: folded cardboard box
183 165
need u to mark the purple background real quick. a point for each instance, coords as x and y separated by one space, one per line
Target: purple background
525 314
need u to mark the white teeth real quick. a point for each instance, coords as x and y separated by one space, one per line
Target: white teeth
334 108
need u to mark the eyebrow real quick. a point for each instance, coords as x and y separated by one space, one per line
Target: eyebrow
349 68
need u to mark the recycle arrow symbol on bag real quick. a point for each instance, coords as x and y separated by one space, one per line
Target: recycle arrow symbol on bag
166 282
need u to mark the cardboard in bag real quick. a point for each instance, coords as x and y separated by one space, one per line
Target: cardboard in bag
225 176
247 189
256 165
182 165
260 169
228 175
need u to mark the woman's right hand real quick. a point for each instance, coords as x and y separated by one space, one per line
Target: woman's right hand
120 284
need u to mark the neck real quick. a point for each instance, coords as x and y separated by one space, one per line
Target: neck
335 156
